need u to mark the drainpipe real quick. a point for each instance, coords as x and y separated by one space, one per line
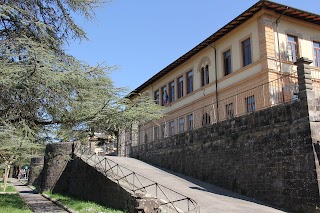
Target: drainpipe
216 72
279 54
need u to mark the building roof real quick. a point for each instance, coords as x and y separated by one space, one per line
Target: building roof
246 15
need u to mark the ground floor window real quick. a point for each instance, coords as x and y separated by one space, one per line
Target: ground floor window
250 104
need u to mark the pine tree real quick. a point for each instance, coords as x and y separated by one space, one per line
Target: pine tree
45 92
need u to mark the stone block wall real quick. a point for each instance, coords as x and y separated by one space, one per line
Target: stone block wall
66 173
268 155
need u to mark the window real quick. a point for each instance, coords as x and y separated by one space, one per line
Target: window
206 119
156 131
250 104
190 121
171 128
229 111
165 97
316 53
189 82
181 125
246 52
145 137
292 48
205 75
157 97
227 62
171 91
180 87
164 130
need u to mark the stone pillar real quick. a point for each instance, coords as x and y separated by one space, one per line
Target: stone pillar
57 156
310 103
35 174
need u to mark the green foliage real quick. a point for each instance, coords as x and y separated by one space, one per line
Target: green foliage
81 206
46 93
12 203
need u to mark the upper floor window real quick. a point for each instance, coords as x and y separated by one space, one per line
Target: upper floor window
246 52
171 91
189 82
180 87
181 125
250 104
292 48
171 128
165 97
316 54
157 96
227 62
205 75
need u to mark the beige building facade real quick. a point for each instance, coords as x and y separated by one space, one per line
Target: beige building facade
245 66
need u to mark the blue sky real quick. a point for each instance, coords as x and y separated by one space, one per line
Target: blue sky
142 37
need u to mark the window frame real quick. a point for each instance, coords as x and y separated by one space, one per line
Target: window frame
246 48
181 125
229 111
205 75
156 133
171 128
164 98
163 130
189 82
316 54
206 119
171 91
227 60
289 44
180 87
190 124
157 96
250 104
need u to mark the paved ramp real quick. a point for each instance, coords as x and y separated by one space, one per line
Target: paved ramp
209 198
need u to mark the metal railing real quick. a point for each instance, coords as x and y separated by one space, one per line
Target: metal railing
170 200
282 90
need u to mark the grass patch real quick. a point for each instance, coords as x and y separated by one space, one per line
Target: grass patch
9 188
13 203
81 206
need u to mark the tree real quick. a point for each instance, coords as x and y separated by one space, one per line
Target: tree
45 92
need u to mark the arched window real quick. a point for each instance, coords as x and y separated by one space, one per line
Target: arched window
206 119
203 68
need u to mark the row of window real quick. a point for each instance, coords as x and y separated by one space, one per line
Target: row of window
168 96
164 95
187 123
182 122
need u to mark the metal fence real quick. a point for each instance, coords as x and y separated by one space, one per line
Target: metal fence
170 200
284 89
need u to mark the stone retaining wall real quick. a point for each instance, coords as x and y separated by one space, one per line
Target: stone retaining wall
68 174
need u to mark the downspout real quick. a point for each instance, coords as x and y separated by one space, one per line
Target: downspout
278 41
216 72
279 54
